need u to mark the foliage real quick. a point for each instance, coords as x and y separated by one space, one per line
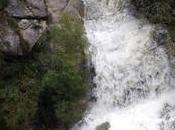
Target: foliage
70 38
43 90
3 4
157 11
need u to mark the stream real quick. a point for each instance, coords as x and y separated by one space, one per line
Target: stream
134 85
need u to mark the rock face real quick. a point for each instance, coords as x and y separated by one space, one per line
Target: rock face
103 126
27 9
57 7
10 41
31 31
17 37
24 22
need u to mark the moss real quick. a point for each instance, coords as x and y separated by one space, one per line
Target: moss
44 89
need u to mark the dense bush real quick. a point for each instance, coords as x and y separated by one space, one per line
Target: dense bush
157 11
3 4
44 90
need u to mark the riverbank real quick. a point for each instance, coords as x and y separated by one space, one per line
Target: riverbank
158 13
44 89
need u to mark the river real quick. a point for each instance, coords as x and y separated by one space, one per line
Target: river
134 86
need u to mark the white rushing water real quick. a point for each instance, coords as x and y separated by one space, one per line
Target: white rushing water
133 79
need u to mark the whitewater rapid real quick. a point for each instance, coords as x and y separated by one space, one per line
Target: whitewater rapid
134 86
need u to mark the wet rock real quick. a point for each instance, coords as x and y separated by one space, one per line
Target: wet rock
160 36
33 9
167 116
103 126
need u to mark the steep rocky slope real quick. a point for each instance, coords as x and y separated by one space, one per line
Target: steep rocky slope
24 21
43 77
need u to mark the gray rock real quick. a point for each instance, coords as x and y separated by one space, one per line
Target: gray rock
10 42
31 31
57 7
21 39
75 7
27 8
103 126
28 17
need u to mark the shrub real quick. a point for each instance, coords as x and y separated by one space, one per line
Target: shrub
43 90
64 84
69 34
157 11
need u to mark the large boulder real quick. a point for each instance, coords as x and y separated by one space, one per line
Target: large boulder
24 21
57 7
33 9
17 37
31 31
103 126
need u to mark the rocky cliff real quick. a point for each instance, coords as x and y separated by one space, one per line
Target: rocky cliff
43 77
24 21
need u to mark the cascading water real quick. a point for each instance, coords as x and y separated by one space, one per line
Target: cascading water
133 79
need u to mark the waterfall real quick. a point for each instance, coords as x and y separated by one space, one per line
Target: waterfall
134 86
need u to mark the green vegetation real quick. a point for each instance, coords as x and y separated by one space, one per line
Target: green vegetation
46 89
159 12
3 4
156 11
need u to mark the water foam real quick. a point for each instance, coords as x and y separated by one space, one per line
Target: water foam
132 72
